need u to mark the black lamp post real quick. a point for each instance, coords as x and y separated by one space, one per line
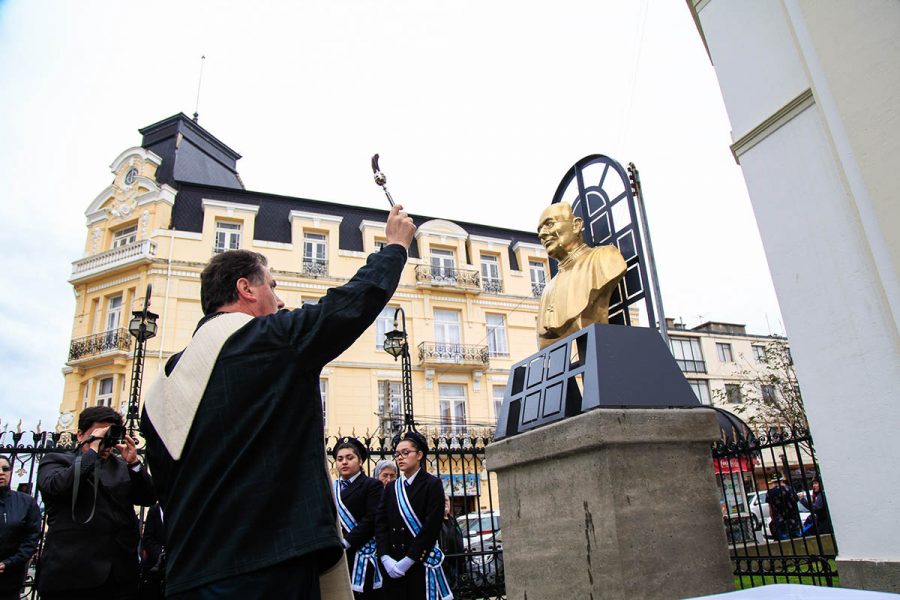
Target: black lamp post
396 344
142 327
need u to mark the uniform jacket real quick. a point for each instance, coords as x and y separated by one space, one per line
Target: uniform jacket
20 532
393 538
361 498
251 489
76 555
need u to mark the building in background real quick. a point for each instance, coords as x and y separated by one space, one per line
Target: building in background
811 90
469 291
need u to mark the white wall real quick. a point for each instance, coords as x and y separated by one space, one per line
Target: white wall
829 223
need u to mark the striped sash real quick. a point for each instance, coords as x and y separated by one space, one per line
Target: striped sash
365 556
436 586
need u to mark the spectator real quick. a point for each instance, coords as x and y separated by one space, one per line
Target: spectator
357 497
407 541
153 555
91 549
385 471
234 429
819 519
783 511
20 532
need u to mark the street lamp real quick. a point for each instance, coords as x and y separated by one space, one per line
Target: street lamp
143 327
396 344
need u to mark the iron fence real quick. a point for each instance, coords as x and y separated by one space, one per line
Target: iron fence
782 536
474 566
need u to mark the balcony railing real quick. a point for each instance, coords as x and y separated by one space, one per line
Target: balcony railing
492 286
691 366
114 339
315 267
460 354
144 250
537 289
444 276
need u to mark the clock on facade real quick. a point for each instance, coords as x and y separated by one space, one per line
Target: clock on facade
130 175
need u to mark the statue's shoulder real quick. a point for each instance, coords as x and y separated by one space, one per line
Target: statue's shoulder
607 252
607 259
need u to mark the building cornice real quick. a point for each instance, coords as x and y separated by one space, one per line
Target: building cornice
373 224
316 218
490 241
229 207
773 123
537 248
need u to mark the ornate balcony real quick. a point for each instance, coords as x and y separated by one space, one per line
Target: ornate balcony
453 354
537 289
141 251
492 286
100 343
446 277
315 267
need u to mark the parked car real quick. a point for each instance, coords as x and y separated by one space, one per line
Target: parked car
487 569
759 511
479 527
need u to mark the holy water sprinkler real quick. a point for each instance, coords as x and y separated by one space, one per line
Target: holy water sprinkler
381 179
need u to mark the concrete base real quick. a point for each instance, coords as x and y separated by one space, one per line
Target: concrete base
878 576
613 503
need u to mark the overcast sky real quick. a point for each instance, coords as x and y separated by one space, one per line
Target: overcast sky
477 108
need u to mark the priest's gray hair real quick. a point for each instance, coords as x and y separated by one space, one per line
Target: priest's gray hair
218 280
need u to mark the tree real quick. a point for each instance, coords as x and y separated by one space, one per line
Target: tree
769 391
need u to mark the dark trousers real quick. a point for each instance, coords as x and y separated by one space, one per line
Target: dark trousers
109 591
295 579
409 587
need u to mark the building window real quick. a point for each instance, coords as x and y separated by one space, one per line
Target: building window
496 335
323 391
228 236
383 324
453 408
85 394
724 352
446 330
105 392
124 236
390 397
768 394
687 354
443 266
379 245
113 315
490 274
759 353
701 390
733 393
309 302
538 277
315 254
498 391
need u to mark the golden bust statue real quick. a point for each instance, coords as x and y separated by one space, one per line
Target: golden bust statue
579 294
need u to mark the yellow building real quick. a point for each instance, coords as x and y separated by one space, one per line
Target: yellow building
469 291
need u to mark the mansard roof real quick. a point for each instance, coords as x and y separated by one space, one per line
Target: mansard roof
273 222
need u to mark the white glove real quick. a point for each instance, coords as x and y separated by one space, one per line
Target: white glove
402 566
389 565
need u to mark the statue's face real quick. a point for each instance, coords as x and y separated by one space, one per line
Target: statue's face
559 230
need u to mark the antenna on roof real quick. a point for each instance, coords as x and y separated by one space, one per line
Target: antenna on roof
199 83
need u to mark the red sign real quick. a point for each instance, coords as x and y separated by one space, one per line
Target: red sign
733 465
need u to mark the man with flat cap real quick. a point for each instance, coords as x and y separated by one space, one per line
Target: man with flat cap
234 429
357 496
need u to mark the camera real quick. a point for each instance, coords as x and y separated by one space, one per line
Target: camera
114 435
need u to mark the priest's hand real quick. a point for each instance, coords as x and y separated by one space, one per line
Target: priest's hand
400 228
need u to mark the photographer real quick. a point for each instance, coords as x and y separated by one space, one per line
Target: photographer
91 548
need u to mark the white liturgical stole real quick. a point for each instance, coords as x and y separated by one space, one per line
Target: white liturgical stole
173 399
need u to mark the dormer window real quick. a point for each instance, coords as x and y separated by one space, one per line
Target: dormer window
124 236
315 254
228 236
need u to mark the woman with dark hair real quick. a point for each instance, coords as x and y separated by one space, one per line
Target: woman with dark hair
819 520
20 532
408 524
357 497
